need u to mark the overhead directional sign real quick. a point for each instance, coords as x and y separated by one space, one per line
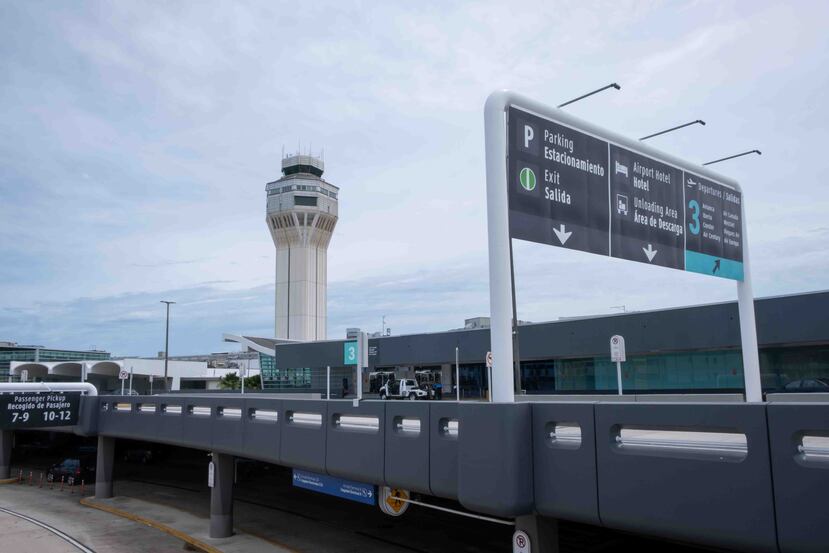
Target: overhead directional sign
576 190
39 409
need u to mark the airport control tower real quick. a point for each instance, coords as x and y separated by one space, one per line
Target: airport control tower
301 215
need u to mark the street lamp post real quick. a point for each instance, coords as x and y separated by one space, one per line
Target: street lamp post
672 129
583 96
758 152
167 344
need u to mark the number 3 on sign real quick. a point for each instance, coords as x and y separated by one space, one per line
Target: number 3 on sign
694 225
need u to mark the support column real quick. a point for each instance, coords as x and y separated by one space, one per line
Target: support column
6 441
543 532
221 497
104 466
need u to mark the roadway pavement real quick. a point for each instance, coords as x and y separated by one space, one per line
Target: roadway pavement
101 532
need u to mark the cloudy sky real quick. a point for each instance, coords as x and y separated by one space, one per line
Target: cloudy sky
137 139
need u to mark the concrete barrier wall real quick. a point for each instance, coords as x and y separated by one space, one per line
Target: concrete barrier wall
730 475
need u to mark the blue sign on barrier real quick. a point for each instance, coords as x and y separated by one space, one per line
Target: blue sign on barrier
346 489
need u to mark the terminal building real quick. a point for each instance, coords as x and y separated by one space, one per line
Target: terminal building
12 351
684 350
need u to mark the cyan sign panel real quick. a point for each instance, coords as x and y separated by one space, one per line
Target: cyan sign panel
346 489
350 353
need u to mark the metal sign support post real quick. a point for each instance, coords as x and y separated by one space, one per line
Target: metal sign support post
122 386
362 363
328 382
500 274
131 388
748 326
457 376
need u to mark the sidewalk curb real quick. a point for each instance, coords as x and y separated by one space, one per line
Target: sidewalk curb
198 544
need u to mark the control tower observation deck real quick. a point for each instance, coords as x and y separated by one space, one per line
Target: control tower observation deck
301 215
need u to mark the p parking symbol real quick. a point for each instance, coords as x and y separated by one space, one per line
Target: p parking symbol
529 134
527 137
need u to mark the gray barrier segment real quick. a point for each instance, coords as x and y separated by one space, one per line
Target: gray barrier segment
228 428
221 496
801 482
495 456
694 497
261 438
197 430
303 445
443 451
351 453
564 471
407 453
87 416
6 444
104 465
169 427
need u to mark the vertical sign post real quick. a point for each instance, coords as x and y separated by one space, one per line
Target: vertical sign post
617 355
355 353
123 375
457 375
557 180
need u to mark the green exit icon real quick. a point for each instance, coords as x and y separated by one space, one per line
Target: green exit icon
527 179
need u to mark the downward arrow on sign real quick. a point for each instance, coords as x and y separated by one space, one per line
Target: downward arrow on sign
562 234
650 252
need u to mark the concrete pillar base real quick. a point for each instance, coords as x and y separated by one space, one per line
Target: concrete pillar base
543 532
221 497
104 466
6 442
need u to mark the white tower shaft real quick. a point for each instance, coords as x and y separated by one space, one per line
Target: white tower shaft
301 215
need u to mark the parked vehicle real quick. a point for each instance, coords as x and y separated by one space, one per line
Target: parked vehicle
808 385
139 455
406 388
73 470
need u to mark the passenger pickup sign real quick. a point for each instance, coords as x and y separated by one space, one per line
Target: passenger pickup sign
576 190
346 489
34 409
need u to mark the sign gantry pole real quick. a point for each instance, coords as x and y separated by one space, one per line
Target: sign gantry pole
748 325
500 274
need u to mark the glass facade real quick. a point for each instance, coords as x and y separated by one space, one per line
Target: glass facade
698 371
785 368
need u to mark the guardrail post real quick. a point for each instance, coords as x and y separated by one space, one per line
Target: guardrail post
221 497
6 441
542 531
103 471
